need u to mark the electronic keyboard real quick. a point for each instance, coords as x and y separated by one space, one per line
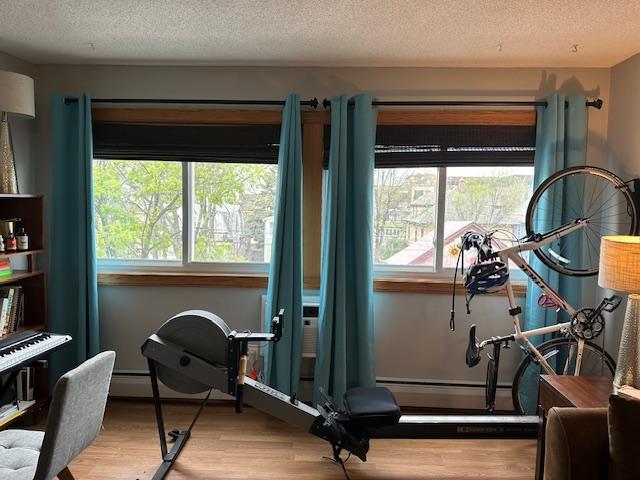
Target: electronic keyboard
26 347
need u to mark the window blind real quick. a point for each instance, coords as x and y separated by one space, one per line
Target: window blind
202 143
449 145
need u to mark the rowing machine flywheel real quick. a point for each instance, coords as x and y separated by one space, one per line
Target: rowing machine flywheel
200 333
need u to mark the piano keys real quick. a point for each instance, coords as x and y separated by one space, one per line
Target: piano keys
26 347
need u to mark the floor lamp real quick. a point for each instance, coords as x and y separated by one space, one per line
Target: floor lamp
620 270
16 97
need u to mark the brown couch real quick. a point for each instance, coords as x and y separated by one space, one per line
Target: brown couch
595 443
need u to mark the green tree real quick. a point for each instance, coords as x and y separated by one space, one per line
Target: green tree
138 209
394 190
231 203
488 200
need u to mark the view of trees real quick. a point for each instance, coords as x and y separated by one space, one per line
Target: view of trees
231 206
138 207
405 202
489 200
399 194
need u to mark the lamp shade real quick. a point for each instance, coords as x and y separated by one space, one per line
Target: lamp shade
16 94
620 263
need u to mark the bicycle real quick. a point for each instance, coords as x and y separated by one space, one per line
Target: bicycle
569 244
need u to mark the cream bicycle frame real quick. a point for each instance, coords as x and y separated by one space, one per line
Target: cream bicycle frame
522 337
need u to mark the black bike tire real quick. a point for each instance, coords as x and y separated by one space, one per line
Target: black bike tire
601 172
517 378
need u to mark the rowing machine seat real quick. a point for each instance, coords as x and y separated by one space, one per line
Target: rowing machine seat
371 407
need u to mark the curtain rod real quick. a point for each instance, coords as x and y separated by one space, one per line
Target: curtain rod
307 103
326 103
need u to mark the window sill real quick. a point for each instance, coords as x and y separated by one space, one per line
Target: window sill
218 280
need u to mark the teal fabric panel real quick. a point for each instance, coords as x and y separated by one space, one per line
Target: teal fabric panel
345 353
282 359
561 142
72 282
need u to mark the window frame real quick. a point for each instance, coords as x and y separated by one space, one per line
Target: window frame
184 117
112 272
186 263
437 271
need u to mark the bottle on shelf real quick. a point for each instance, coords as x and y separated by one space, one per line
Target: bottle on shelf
11 244
22 239
1 244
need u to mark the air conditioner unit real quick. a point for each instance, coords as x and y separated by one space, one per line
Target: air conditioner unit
310 307
309 330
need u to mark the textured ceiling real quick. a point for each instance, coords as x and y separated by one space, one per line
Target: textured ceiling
322 32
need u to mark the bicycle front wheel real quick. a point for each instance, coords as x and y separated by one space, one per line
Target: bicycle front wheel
561 355
589 193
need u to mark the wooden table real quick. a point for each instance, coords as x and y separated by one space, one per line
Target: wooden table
568 391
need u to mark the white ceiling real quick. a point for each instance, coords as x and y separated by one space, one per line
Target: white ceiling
322 32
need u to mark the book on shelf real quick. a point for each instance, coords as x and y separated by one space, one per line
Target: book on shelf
16 394
5 269
3 312
11 309
25 383
13 410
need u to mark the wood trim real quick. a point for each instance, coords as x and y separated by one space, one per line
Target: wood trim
216 280
312 153
192 116
173 279
433 285
226 116
457 117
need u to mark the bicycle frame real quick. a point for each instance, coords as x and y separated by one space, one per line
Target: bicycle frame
522 337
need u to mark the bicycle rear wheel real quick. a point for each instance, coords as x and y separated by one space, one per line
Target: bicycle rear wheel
593 194
561 355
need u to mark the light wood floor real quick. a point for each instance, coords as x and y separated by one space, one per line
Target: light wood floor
253 445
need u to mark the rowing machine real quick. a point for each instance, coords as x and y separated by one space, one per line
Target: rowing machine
195 351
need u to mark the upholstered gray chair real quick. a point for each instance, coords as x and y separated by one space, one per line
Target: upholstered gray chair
74 421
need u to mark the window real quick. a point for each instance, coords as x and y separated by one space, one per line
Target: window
198 195
233 208
404 213
484 199
138 209
167 195
478 199
434 183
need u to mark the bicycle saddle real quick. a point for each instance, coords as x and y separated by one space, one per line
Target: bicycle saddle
472 357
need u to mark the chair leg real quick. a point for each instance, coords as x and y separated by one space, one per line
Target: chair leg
65 474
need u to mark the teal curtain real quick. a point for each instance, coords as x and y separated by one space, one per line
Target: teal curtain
345 353
282 360
561 142
72 283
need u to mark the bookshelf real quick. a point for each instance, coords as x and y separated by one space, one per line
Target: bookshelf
30 209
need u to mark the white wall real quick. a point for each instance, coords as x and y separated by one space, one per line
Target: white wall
412 336
623 148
